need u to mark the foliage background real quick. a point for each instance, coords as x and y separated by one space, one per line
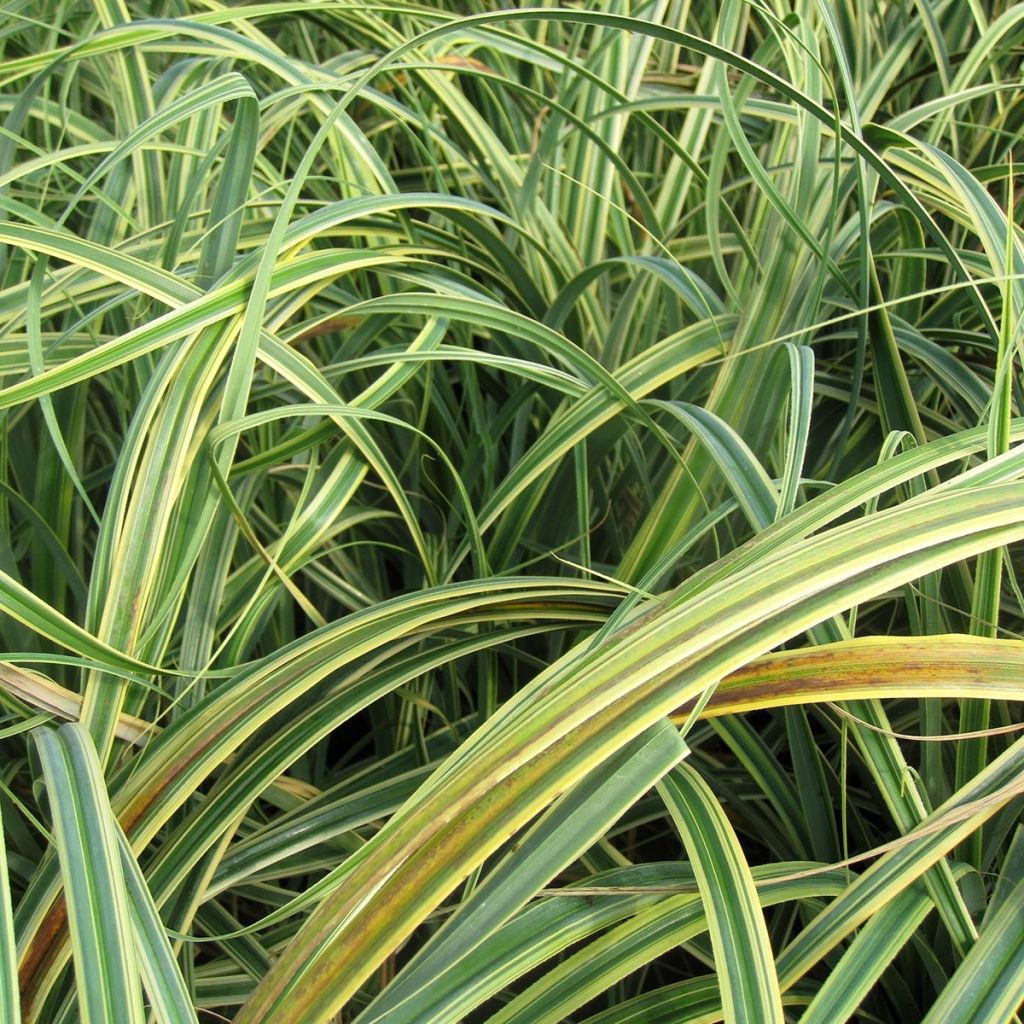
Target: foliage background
517 511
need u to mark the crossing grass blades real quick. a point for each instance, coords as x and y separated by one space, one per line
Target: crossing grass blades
511 514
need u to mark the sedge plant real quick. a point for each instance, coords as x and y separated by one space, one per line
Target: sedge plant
511 514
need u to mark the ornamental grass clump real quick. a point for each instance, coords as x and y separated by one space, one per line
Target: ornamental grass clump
511 515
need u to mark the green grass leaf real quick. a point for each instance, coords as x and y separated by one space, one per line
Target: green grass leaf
744 961
99 913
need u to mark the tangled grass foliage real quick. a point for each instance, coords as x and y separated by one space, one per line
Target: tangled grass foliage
510 514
